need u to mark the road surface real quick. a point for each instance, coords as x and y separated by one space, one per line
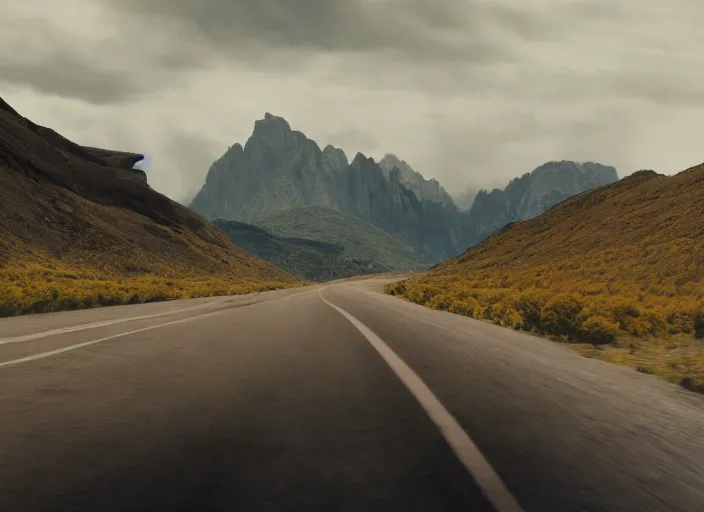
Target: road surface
332 398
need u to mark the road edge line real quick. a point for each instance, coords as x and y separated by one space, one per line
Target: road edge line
70 348
106 323
459 441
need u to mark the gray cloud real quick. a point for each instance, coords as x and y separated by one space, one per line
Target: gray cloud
65 75
195 158
352 141
468 92
38 53
409 27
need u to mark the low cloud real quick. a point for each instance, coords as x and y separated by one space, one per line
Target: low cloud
468 92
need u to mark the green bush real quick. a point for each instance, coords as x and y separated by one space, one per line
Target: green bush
529 306
466 307
627 315
421 294
598 329
441 302
699 324
505 315
560 315
398 288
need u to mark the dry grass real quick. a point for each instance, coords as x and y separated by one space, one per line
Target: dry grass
674 358
617 272
76 231
113 257
35 288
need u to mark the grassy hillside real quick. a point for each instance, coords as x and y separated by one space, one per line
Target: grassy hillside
308 259
80 228
361 240
615 271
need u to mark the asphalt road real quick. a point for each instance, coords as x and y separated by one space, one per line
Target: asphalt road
329 398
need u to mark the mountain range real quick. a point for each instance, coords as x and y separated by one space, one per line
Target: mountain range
73 214
532 194
279 168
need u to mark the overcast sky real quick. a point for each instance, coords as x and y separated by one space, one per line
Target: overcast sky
469 92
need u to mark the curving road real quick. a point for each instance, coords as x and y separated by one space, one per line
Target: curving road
332 398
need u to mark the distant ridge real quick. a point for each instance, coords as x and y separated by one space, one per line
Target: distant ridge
280 168
80 228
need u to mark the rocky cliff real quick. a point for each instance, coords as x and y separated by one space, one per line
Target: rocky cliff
429 190
532 194
279 168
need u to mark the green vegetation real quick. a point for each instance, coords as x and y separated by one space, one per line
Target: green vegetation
361 241
616 272
302 257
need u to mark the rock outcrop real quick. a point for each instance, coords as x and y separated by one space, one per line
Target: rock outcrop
425 190
533 194
279 168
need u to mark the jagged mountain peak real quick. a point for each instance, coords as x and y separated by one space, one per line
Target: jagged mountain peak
271 124
392 159
336 157
424 189
361 159
534 193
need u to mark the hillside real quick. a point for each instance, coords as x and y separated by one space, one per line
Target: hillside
281 168
361 242
79 228
619 267
305 258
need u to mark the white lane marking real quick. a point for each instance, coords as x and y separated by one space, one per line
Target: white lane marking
95 325
465 449
105 323
69 348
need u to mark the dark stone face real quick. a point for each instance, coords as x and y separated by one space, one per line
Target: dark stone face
280 168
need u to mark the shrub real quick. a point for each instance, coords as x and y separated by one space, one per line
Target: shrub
699 324
598 329
681 321
639 326
398 288
441 302
623 313
420 294
560 315
529 306
505 315
466 307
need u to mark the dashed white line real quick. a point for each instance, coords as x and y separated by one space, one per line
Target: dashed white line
95 325
69 348
105 323
464 448
76 346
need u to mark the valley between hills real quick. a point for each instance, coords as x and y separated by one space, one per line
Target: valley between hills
609 267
